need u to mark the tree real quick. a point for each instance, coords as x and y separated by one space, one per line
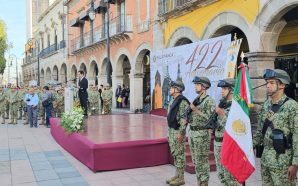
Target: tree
3 45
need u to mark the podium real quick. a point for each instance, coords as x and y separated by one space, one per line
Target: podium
69 95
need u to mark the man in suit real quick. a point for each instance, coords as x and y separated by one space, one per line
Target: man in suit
83 94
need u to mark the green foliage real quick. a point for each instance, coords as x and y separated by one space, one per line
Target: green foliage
73 120
3 45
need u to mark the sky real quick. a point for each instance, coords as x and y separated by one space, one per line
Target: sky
13 12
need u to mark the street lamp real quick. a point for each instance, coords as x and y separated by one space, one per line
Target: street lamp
31 43
17 73
109 68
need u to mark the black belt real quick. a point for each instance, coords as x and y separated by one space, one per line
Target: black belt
218 139
196 128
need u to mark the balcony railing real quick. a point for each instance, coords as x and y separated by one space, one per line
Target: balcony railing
48 50
118 26
176 6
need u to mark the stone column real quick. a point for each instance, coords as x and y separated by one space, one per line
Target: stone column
117 80
102 79
258 62
136 91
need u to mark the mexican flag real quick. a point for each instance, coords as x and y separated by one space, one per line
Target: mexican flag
237 154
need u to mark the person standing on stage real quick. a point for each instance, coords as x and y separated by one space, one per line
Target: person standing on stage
83 94
278 132
227 87
199 137
176 130
107 96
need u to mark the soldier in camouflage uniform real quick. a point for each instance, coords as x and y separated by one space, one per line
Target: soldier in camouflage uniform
21 94
2 105
26 122
60 102
176 130
14 106
278 168
7 92
93 98
56 97
107 96
227 87
41 110
199 137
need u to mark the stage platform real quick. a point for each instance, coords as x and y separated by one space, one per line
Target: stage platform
121 141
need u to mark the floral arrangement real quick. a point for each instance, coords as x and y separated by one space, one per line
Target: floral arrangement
73 120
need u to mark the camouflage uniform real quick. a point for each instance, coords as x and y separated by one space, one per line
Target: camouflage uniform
199 138
178 149
93 98
60 101
56 98
273 169
2 106
25 105
41 110
14 106
6 95
223 174
107 96
21 94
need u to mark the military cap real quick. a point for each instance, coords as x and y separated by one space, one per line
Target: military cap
279 74
202 80
178 84
228 82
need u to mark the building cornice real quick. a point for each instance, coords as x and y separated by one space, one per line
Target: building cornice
43 15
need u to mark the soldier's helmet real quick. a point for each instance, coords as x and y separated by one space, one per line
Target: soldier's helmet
228 82
279 74
178 84
202 80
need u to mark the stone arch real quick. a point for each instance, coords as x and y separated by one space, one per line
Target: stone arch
55 73
73 73
103 67
48 75
271 23
83 68
225 19
93 72
140 54
181 32
121 52
123 63
63 73
42 77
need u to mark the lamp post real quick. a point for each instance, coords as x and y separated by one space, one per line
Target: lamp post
109 68
17 73
31 43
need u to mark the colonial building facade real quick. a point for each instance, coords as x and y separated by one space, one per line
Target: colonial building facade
48 47
130 30
269 29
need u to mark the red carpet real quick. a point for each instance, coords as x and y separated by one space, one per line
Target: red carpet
115 142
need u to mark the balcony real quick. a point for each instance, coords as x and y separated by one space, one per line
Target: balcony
120 28
52 49
174 8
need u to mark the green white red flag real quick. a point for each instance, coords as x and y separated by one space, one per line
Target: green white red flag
237 154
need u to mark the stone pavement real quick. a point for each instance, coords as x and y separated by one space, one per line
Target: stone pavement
30 156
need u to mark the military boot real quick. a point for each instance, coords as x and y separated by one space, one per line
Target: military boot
15 121
3 120
180 180
11 121
173 178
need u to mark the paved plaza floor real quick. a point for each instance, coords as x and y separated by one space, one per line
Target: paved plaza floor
30 156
